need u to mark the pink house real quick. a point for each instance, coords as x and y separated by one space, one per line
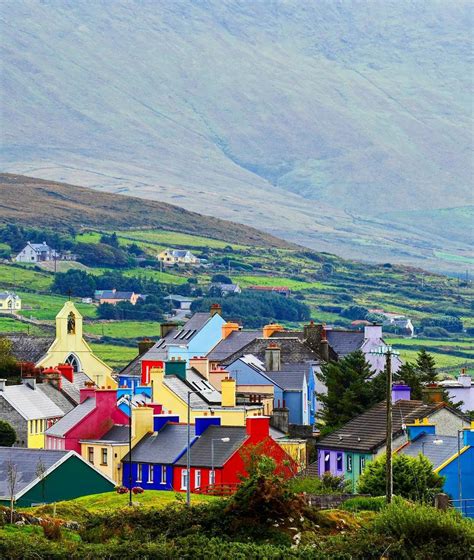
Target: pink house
94 416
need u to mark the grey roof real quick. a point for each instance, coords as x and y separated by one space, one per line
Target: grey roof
72 389
289 380
366 432
26 348
180 388
26 462
68 421
32 404
232 344
110 294
345 342
163 447
437 453
199 383
201 449
117 434
133 367
177 297
56 396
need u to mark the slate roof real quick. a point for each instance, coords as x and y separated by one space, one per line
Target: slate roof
68 421
26 461
134 367
117 434
180 388
366 432
163 447
110 294
293 350
26 348
201 449
289 379
56 396
436 453
72 389
32 404
232 344
344 342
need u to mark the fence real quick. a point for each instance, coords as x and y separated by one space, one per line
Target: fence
465 506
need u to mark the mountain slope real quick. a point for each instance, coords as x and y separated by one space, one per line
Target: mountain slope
58 205
309 120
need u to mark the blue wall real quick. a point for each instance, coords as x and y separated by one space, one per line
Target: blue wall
295 406
451 485
156 484
246 375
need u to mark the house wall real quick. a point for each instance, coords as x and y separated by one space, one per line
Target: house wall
13 417
27 254
297 450
464 394
464 463
294 403
351 459
58 486
115 453
144 482
10 303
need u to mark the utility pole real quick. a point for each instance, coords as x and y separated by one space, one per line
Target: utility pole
389 473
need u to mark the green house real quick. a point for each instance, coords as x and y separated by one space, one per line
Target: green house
44 476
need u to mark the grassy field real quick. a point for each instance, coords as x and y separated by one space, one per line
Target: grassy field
46 307
9 324
175 239
114 356
124 329
246 280
15 277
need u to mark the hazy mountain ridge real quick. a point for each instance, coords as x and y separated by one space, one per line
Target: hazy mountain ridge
223 106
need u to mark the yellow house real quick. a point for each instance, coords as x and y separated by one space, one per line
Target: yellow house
106 453
177 256
69 347
171 392
9 301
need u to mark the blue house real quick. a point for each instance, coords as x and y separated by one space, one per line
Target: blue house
153 457
451 456
138 394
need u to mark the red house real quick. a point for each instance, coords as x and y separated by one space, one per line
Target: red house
93 417
218 455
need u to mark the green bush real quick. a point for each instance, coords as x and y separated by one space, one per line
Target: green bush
364 503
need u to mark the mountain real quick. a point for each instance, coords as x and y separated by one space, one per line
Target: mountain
344 126
58 206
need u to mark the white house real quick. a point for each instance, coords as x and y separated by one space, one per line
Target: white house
177 256
9 301
36 252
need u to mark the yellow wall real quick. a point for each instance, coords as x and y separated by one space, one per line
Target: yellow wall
4 303
36 430
296 449
231 416
73 343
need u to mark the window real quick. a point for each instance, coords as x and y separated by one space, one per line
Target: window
349 463
327 462
339 462
139 472
163 474
31 426
90 454
362 463
104 456
150 474
74 362
197 479
184 479
212 477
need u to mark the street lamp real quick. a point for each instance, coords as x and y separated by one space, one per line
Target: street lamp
388 352
213 473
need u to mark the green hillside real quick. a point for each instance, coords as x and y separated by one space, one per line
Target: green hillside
325 123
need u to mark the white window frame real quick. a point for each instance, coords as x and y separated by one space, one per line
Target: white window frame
163 474
139 472
104 453
212 477
184 479
150 474
197 478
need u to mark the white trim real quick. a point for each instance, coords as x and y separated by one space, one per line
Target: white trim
48 471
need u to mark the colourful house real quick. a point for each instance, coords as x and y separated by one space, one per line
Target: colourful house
9 301
96 414
452 457
45 476
346 451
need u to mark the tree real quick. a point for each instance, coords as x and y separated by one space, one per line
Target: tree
74 282
426 367
413 478
7 360
349 389
12 481
7 434
410 376
221 279
40 472
354 312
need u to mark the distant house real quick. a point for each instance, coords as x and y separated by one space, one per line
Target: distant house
61 469
226 289
403 323
461 389
9 301
36 252
281 290
113 296
177 256
180 302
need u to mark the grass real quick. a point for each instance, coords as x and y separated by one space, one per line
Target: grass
9 324
163 277
114 356
124 329
15 277
46 307
173 238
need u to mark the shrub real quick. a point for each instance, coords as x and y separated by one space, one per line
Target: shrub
354 312
7 434
435 332
137 490
364 503
327 484
121 490
51 529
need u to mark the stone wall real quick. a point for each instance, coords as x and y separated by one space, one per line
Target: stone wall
10 415
329 501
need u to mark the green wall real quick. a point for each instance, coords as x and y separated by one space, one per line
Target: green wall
356 470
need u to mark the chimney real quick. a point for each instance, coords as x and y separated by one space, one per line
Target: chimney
324 346
313 334
269 330
53 376
273 357
146 367
373 332
401 392
86 393
165 328
142 421
3 383
216 309
417 428
465 379
228 392
67 371
106 400
176 367
29 382
229 328
156 380
201 424
144 345
200 364
257 427
216 376
432 393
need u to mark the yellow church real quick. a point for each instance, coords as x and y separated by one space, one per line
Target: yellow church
69 347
